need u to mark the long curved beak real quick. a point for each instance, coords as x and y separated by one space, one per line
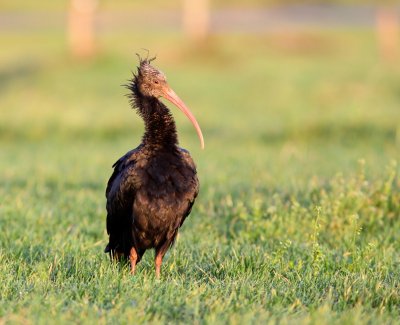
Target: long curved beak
170 95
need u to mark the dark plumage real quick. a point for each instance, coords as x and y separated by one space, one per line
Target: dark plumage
153 187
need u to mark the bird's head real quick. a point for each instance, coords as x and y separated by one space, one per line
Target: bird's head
151 82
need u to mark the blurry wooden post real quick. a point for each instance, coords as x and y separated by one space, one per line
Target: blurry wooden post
196 19
81 27
387 24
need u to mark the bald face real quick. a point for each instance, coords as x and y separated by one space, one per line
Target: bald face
152 82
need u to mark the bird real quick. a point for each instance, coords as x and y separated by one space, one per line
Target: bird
153 187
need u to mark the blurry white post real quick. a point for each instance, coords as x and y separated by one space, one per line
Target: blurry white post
196 19
387 25
81 27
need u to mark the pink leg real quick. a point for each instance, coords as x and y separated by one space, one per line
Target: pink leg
160 253
133 256
158 262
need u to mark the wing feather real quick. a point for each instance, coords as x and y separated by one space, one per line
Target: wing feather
192 195
120 194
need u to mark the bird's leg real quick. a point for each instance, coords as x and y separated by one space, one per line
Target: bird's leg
133 256
160 252
158 262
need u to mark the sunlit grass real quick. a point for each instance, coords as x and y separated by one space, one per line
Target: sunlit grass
298 215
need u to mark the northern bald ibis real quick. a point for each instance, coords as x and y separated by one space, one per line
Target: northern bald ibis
153 187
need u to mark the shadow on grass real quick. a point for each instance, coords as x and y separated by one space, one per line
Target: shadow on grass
53 185
24 70
346 134
343 133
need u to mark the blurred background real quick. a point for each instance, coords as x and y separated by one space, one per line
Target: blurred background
284 90
299 103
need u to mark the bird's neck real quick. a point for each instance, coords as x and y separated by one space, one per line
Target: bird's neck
160 130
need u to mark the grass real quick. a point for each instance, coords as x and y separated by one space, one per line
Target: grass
298 216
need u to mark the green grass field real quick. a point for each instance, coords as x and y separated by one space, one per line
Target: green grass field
297 221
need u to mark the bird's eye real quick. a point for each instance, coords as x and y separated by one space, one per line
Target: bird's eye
156 81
